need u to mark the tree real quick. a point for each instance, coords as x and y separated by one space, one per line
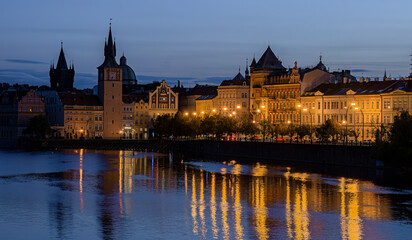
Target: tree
302 131
246 125
330 128
38 126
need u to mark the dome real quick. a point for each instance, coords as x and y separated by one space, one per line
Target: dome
129 77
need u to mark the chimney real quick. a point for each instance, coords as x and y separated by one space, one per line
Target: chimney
361 79
376 79
345 80
368 79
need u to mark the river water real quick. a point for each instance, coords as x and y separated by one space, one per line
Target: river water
88 194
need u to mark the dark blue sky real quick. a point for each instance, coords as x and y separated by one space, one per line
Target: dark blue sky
199 41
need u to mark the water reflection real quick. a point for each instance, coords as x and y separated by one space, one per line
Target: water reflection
134 192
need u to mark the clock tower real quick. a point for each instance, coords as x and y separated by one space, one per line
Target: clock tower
110 91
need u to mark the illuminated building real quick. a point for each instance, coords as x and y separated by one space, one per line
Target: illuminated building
358 106
83 115
275 91
233 96
206 105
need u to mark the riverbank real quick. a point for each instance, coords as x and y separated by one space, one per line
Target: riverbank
333 155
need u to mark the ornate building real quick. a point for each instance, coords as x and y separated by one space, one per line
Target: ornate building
110 91
360 107
233 96
61 77
275 91
163 101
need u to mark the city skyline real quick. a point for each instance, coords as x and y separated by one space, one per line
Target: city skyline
203 42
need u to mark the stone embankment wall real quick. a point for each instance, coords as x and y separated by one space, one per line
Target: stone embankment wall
336 155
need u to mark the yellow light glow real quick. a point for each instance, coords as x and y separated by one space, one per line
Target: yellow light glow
288 121
225 108
258 110
194 113
203 112
353 104
263 106
254 121
214 110
230 115
343 122
234 113
299 105
186 113
238 106
356 108
305 109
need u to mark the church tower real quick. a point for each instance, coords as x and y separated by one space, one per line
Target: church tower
61 77
110 90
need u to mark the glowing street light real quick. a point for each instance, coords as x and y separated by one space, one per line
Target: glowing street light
225 108
194 114
234 113
213 110
288 121
238 106
186 113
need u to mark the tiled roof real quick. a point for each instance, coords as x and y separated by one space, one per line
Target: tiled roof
79 99
206 97
365 88
234 82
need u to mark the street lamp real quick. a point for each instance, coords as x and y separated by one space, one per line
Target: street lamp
310 115
186 113
300 113
346 117
363 123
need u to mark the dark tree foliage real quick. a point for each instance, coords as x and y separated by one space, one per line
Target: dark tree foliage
395 146
38 127
330 129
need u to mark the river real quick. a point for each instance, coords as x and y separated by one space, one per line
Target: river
89 194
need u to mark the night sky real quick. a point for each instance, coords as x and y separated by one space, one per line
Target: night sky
203 41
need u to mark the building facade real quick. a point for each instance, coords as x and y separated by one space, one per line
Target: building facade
360 107
233 96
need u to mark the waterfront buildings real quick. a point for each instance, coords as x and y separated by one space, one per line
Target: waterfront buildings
233 96
16 110
83 116
275 91
360 107
206 104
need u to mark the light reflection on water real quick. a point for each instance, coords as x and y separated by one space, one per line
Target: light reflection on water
128 195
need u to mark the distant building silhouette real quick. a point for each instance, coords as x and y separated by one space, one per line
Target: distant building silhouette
61 76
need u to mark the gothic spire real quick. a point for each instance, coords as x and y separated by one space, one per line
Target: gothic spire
61 63
109 51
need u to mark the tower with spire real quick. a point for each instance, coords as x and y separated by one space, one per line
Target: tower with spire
61 76
110 90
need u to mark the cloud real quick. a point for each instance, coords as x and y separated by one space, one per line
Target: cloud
89 80
360 70
23 61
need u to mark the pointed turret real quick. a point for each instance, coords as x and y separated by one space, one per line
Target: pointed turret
61 63
247 70
109 52
61 76
320 65
384 76
253 65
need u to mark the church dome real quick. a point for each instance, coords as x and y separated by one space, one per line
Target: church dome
129 77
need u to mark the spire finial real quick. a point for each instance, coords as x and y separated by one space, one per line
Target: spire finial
61 44
320 57
110 23
239 68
